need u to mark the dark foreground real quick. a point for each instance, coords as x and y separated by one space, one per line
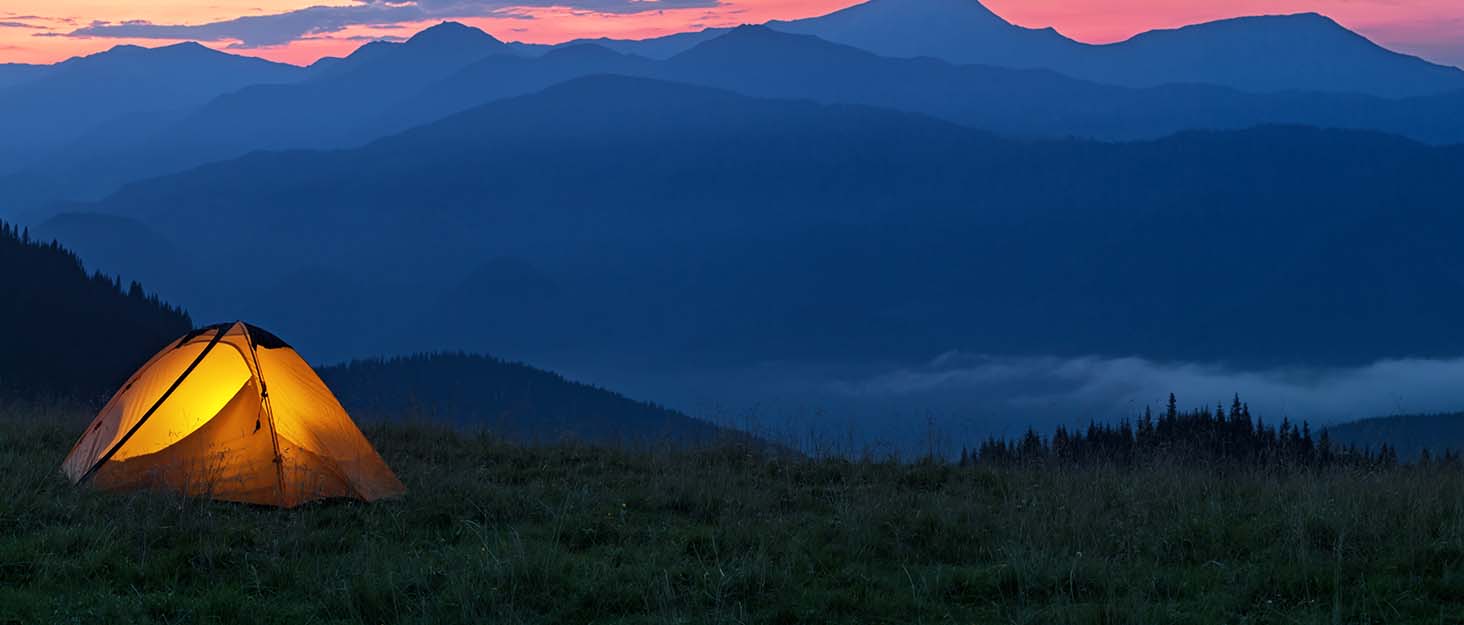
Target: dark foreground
495 533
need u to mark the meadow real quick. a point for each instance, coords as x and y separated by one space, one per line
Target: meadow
491 532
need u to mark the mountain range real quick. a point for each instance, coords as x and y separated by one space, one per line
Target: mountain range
753 220
384 88
67 101
1303 52
701 206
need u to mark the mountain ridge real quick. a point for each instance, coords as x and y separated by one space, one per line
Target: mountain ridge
1277 52
655 177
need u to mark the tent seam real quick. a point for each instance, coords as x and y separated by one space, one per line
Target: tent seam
158 404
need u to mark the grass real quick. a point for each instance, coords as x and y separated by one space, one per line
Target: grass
495 533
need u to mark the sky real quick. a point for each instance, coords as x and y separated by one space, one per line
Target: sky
300 31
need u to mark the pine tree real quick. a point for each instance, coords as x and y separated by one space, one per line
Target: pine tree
1324 448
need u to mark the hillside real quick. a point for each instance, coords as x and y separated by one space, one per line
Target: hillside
67 333
1409 434
511 400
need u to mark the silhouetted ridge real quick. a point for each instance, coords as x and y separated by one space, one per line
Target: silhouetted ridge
510 399
450 35
1268 53
67 333
763 42
581 53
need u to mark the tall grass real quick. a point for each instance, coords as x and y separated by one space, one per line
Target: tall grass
491 532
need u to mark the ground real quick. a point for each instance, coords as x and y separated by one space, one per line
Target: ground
495 533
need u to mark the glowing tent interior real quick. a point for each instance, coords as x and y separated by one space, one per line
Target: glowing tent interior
230 412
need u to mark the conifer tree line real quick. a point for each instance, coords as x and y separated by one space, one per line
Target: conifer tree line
1191 436
64 332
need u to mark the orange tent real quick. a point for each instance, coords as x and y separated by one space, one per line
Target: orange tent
230 412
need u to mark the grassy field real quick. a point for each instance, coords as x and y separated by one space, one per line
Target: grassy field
493 533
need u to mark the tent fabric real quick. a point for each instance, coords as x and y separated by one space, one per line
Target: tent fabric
230 412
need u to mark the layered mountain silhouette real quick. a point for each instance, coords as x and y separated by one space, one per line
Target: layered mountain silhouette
328 109
386 88
696 226
1305 52
325 105
72 98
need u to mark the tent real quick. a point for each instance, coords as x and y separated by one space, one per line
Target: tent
230 412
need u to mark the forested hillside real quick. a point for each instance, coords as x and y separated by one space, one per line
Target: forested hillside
1194 437
64 332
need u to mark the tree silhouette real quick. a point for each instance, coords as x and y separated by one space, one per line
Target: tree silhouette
67 333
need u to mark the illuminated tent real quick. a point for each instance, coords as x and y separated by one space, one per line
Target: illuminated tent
230 412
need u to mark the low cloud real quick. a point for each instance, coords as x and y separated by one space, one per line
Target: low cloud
959 399
281 28
1109 388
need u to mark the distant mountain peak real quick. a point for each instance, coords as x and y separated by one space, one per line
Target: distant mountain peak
963 10
453 35
187 45
582 52
773 45
187 51
1291 22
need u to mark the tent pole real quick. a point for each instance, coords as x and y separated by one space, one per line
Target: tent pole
166 394
274 437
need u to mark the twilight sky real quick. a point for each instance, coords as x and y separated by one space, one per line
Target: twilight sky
300 31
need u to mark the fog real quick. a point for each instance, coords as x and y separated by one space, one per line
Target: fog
957 399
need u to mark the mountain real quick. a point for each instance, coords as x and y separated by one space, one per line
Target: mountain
1303 52
959 31
328 109
386 88
12 74
69 333
1408 434
1031 103
758 61
512 400
436 50
659 48
124 247
691 227
332 104
73 97
1306 52
503 76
